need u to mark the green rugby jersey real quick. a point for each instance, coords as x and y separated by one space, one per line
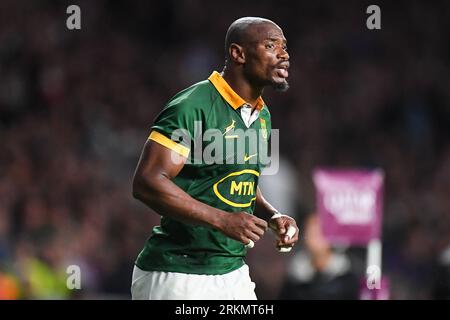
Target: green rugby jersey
210 106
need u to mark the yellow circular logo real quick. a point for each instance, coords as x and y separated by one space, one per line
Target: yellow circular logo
241 185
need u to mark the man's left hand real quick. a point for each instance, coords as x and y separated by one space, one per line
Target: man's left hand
280 225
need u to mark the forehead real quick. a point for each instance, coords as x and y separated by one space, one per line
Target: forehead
267 31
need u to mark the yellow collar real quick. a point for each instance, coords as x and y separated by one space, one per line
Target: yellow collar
229 94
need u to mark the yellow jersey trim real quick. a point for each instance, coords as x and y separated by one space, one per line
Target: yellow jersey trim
166 142
229 94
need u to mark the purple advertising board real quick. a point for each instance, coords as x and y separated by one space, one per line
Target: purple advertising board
349 204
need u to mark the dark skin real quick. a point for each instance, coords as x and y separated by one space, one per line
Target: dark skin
257 61
254 63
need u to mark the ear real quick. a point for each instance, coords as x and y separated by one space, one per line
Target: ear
237 53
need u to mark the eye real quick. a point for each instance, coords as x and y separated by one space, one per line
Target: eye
285 48
270 46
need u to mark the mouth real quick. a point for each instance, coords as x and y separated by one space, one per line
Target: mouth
282 70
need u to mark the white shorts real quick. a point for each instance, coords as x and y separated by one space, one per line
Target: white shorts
157 285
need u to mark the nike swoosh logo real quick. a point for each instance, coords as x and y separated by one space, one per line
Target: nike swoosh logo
246 158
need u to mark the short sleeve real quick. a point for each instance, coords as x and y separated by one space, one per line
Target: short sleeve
174 126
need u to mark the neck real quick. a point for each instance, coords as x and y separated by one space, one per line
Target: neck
241 85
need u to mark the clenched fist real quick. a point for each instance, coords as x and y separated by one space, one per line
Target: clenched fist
242 226
286 238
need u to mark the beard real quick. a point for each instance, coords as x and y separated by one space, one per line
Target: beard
280 86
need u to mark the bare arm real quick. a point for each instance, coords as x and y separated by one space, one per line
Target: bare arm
153 185
263 207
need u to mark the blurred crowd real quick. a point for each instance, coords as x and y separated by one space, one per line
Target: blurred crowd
76 107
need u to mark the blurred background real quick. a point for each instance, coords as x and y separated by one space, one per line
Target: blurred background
76 108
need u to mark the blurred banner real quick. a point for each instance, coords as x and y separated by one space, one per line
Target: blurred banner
350 204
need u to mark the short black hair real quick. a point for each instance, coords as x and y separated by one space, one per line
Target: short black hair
238 31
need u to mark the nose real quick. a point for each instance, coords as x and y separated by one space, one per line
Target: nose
283 55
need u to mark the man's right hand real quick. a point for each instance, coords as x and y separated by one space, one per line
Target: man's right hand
242 226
